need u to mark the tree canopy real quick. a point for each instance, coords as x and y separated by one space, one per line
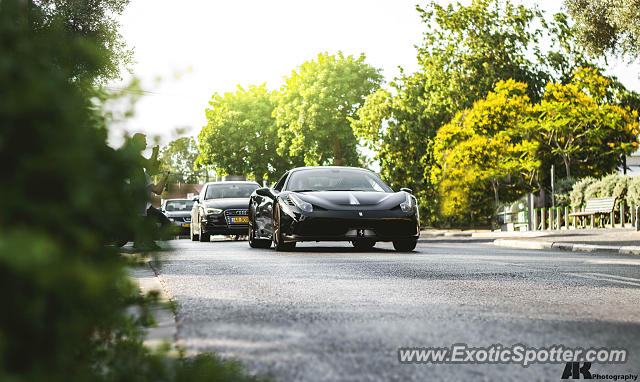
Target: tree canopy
241 136
315 104
610 26
179 157
484 152
584 124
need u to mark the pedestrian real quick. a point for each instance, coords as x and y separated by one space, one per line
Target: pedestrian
142 177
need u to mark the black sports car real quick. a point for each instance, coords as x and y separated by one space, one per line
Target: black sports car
221 209
332 204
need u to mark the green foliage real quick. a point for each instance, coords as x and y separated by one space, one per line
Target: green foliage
563 190
582 124
633 191
467 50
315 106
482 153
577 194
179 157
622 187
67 193
241 136
610 26
96 52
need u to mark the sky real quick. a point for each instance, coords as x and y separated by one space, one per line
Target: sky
201 47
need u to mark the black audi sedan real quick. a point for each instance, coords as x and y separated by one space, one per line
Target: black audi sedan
221 209
332 204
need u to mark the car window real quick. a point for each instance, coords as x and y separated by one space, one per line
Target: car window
178 205
226 191
280 184
336 179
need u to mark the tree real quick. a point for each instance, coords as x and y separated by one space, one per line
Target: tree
583 125
102 52
179 157
484 151
241 136
315 105
467 50
609 26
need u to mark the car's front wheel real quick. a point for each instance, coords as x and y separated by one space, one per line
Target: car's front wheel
278 243
193 236
204 236
253 242
406 245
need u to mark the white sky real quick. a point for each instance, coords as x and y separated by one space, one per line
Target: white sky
216 45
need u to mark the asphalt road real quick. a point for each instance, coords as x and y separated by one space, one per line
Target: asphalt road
328 313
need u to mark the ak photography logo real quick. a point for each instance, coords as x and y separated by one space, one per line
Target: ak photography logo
577 370
578 361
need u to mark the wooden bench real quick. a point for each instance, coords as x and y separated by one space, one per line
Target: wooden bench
596 207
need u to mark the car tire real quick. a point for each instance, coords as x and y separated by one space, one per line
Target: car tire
406 245
278 244
253 242
204 237
194 237
363 244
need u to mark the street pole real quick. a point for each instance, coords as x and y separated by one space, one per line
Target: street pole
553 187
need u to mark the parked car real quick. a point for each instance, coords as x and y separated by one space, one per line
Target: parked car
332 204
221 209
179 213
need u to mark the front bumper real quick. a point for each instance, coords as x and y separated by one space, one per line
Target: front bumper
349 225
222 224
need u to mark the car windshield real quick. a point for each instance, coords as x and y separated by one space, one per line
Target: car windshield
336 179
226 191
178 205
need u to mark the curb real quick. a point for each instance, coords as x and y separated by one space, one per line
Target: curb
166 329
573 247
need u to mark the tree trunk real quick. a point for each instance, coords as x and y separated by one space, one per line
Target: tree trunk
337 155
260 180
566 166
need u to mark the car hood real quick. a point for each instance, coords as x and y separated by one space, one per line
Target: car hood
353 199
240 203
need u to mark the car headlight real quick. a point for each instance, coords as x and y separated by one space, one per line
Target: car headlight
304 206
213 211
409 204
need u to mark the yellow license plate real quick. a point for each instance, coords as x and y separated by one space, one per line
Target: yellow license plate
186 225
241 219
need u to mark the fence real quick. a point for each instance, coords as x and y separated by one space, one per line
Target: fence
548 218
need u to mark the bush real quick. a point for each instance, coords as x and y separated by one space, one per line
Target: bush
563 191
66 193
633 191
577 194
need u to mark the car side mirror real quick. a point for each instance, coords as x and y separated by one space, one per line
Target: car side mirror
407 190
196 198
264 191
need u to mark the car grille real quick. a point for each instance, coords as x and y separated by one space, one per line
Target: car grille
230 214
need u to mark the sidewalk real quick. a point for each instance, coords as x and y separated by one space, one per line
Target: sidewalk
620 240
165 331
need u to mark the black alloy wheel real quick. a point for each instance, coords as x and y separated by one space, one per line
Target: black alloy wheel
253 242
204 237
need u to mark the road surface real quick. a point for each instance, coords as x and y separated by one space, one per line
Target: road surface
329 313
